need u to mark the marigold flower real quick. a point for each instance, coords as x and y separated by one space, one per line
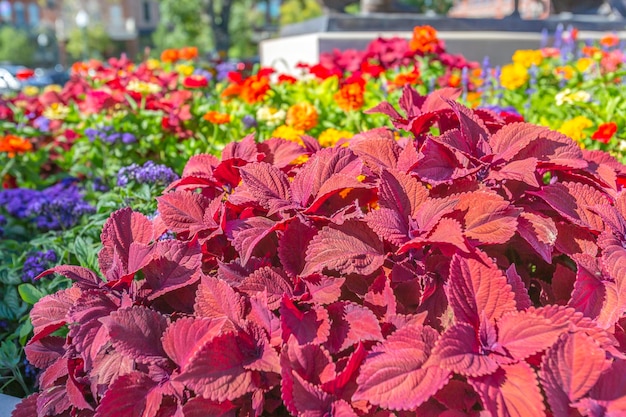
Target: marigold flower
288 133
302 116
528 57
188 53
170 55
30 90
566 71
216 117
254 89
350 97
583 64
56 88
513 76
424 40
153 64
330 137
574 128
13 145
610 40
402 79
605 132
591 51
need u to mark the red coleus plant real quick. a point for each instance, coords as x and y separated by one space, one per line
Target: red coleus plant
476 268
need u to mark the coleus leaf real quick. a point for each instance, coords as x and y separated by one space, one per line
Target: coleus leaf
269 185
127 396
377 148
202 407
522 299
478 287
175 265
539 231
291 244
50 312
183 211
248 234
524 171
472 128
245 149
570 368
553 150
393 375
200 166
53 401
401 192
523 333
323 289
512 391
27 407
280 152
83 277
310 325
512 138
45 351
437 164
388 224
136 332
488 218
349 248
268 279
350 324
186 336
216 299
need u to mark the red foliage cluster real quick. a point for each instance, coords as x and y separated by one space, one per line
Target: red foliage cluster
474 272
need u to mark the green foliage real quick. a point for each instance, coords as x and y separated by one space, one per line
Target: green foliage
439 6
91 42
16 46
182 24
293 11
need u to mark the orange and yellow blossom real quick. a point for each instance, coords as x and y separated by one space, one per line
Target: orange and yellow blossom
188 53
216 117
574 128
402 79
302 116
528 57
288 133
424 40
13 145
350 97
254 89
513 76
330 137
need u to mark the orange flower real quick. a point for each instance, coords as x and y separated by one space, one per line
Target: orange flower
188 53
350 97
254 89
13 145
591 51
302 116
424 40
402 79
216 117
605 132
567 72
609 41
170 55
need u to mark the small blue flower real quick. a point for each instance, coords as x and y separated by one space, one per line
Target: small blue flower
36 263
149 173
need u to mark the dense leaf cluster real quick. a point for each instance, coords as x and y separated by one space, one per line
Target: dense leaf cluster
475 267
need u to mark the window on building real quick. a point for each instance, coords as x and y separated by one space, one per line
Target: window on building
116 17
5 11
147 12
33 14
20 14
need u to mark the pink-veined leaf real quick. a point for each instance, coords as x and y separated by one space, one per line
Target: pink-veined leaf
127 396
432 210
216 299
248 234
267 279
323 289
186 336
183 211
350 324
524 171
610 388
176 264
136 332
437 163
44 352
489 218
123 228
553 150
377 148
107 367
53 401
83 277
393 375
476 288
472 128
539 231
268 184
512 391
292 244
308 399
200 166
245 149
401 192
524 333
50 312
280 152
570 368
27 407
512 138
388 224
590 291
310 325
202 407
522 299
349 248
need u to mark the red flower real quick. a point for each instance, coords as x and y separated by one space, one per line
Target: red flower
24 74
195 81
605 132
285 78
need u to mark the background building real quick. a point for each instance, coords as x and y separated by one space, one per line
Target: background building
529 9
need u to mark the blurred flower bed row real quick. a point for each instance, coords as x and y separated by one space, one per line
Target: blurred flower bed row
119 132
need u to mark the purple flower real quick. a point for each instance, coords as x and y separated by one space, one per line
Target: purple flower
42 123
248 121
36 263
107 135
128 138
100 185
3 221
149 173
203 73
224 68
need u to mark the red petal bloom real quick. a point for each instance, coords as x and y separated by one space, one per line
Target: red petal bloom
195 81
285 78
605 132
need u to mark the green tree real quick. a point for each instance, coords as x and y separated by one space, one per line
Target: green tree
91 42
16 46
293 11
438 6
182 24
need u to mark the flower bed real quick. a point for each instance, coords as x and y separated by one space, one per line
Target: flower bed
476 269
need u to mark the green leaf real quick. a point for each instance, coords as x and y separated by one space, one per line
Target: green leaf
30 293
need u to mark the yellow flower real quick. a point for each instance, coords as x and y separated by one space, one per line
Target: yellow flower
288 133
184 69
302 116
153 64
528 57
270 115
56 111
566 71
583 64
55 88
299 161
513 76
574 128
568 96
143 87
329 137
30 90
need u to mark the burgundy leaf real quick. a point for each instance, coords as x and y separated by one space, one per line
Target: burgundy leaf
185 337
183 211
323 289
200 166
401 192
127 396
45 351
268 184
280 152
245 149
488 218
267 279
539 231
437 163
292 246
175 265
553 150
83 277
121 229
248 234
523 333
512 138
136 332
311 325
476 288
50 312
350 324
512 391
350 248
216 299
432 210
53 401
393 375
524 171
522 299
388 224
377 148
202 407
27 407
